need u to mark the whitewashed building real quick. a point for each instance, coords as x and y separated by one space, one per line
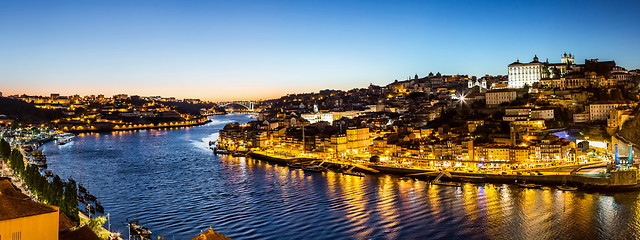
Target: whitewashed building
497 97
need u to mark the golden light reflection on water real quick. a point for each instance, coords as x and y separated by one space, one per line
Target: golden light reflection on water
349 190
502 211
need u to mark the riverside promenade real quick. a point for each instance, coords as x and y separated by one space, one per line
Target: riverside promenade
610 179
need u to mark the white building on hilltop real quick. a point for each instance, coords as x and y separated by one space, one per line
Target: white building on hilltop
521 74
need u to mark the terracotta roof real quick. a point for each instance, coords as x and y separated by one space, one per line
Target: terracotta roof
210 235
14 204
64 222
83 233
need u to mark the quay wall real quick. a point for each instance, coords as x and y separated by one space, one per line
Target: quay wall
136 128
614 181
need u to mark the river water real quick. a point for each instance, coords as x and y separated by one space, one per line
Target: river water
175 186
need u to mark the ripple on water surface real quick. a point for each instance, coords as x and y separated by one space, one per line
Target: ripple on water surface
172 183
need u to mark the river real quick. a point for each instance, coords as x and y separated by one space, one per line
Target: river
175 186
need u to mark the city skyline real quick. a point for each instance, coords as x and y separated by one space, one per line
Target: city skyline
220 51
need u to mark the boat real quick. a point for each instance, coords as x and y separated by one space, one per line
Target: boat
220 151
64 140
314 168
452 184
349 171
352 173
239 154
566 188
80 199
99 207
136 229
529 185
295 165
90 197
472 179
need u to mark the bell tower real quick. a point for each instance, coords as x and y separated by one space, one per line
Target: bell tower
567 59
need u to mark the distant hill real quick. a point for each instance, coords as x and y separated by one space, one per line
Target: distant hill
26 112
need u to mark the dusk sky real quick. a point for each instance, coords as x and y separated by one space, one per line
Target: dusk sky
233 50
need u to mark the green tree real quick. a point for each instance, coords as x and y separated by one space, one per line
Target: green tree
97 222
16 162
70 202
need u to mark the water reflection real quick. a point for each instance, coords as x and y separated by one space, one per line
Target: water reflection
167 180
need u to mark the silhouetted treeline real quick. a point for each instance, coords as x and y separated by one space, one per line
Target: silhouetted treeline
27 112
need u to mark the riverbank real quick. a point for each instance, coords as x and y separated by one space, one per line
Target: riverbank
19 184
615 180
118 128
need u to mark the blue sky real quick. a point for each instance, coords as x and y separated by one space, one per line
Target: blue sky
263 49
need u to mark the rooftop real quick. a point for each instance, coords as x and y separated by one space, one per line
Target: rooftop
210 235
83 233
14 204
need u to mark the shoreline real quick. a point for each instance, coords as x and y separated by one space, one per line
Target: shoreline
138 128
585 183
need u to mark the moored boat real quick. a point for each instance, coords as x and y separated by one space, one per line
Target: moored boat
99 207
529 185
352 173
90 197
64 140
90 209
136 229
295 165
452 184
566 188
314 168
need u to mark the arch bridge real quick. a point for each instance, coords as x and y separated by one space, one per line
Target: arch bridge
248 105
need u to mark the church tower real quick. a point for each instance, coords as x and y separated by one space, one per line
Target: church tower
567 59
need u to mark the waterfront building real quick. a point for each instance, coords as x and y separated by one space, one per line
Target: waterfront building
358 139
25 219
496 97
338 145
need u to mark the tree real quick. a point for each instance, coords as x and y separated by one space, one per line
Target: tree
16 162
70 202
5 149
97 222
